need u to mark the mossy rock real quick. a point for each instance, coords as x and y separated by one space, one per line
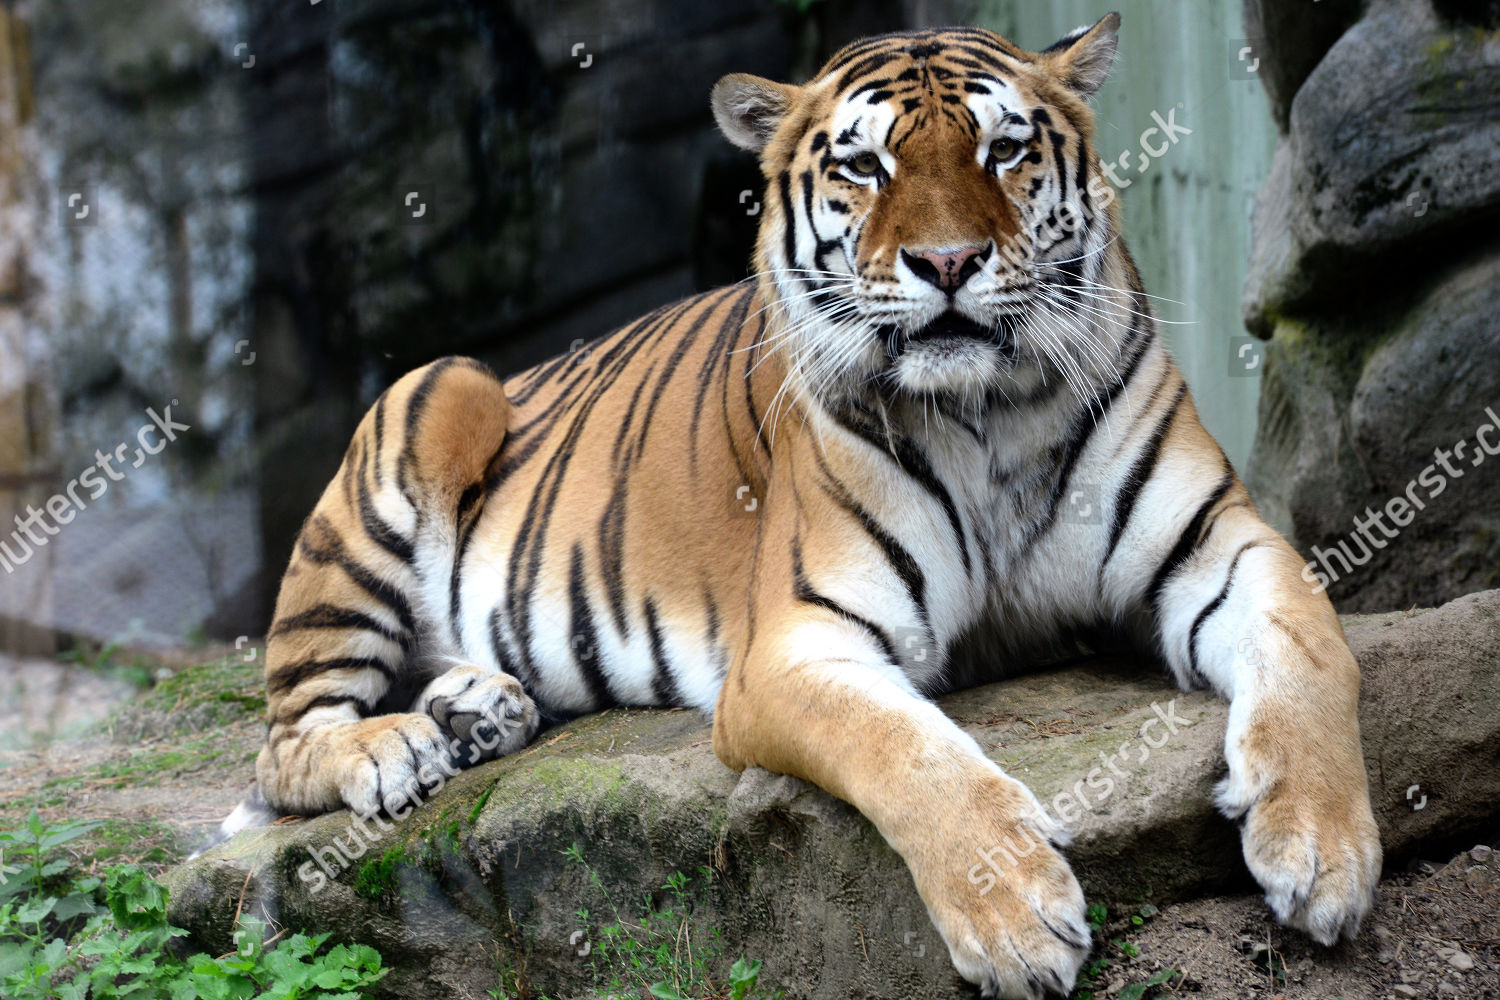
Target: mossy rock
480 873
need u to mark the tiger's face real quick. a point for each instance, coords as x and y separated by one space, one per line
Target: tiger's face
934 213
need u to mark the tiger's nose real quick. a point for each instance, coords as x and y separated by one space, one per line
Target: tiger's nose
947 268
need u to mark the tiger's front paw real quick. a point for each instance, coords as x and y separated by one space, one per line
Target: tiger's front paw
390 762
1012 913
489 715
1311 842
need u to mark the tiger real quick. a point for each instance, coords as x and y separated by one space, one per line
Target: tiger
809 503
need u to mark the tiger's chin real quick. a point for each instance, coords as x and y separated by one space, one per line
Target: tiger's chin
952 355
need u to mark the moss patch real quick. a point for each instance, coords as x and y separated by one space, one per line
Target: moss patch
376 877
195 699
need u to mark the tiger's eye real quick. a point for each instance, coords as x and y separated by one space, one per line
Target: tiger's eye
1004 149
865 163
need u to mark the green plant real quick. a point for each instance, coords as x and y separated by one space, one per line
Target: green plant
111 660
1089 975
1137 991
658 952
64 937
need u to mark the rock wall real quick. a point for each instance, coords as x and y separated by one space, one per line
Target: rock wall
137 227
1375 277
270 210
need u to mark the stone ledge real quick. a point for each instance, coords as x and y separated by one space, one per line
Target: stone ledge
806 883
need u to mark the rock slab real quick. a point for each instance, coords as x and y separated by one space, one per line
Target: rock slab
478 875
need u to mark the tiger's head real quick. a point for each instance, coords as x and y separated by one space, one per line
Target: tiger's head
935 219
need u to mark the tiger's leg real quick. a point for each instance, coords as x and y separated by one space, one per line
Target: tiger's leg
852 724
1234 614
352 624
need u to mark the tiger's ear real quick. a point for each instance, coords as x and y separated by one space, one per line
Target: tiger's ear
1082 58
748 108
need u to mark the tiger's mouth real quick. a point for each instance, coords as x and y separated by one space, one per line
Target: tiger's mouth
952 330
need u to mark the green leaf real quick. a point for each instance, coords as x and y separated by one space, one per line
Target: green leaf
33 911
1138 990
666 991
74 904
136 900
63 833
742 976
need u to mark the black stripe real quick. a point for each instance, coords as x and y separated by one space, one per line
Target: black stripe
1211 607
1140 472
789 235
900 559
914 464
1187 543
331 616
379 434
1071 450
1059 163
362 577
466 518
380 533
803 591
526 556
612 548
715 627
869 64
505 656
663 686
348 466
685 341
290 675
415 405
715 368
985 59
750 406
577 403
582 632
1080 184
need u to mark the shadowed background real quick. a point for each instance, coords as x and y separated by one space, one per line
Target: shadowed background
289 204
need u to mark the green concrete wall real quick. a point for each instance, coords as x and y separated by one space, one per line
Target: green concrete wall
1187 217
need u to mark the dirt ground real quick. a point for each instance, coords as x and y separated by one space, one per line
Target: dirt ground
168 765
1434 933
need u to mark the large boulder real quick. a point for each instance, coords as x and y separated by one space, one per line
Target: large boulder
1373 273
802 880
